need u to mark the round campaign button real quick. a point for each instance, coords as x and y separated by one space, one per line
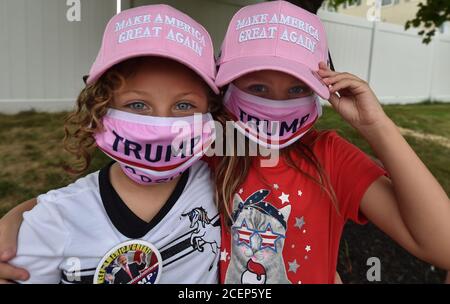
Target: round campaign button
131 262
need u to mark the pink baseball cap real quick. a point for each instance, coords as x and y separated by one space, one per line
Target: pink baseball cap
156 30
274 35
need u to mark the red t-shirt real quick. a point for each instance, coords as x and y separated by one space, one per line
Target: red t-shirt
286 230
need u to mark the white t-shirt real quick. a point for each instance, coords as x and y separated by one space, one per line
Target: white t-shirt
64 238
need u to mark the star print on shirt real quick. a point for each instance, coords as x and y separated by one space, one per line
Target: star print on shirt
268 237
284 198
244 234
308 248
299 222
293 266
224 255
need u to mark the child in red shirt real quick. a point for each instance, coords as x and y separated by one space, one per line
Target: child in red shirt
283 223
301 245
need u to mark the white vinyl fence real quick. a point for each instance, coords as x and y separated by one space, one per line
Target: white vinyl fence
397 65
43 56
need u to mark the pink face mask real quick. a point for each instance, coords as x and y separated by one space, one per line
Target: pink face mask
274 124
155 149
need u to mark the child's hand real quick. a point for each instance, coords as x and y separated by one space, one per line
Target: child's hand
357 103
8 272
9 230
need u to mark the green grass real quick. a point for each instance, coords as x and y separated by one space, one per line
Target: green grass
431 118
32 156
426 118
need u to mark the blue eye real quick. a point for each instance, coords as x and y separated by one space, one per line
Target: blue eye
300 90
184 106
137 106
297 90
258 88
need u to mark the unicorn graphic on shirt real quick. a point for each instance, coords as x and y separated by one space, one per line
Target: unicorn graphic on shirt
202 224
258 235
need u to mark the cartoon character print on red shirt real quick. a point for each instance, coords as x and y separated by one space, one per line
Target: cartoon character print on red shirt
258 235
305 250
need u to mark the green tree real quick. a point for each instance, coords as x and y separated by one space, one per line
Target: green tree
431 14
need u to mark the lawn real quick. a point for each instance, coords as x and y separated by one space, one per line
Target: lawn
359 243
31 158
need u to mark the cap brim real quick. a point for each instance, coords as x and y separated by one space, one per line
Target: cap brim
233 69
158 53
